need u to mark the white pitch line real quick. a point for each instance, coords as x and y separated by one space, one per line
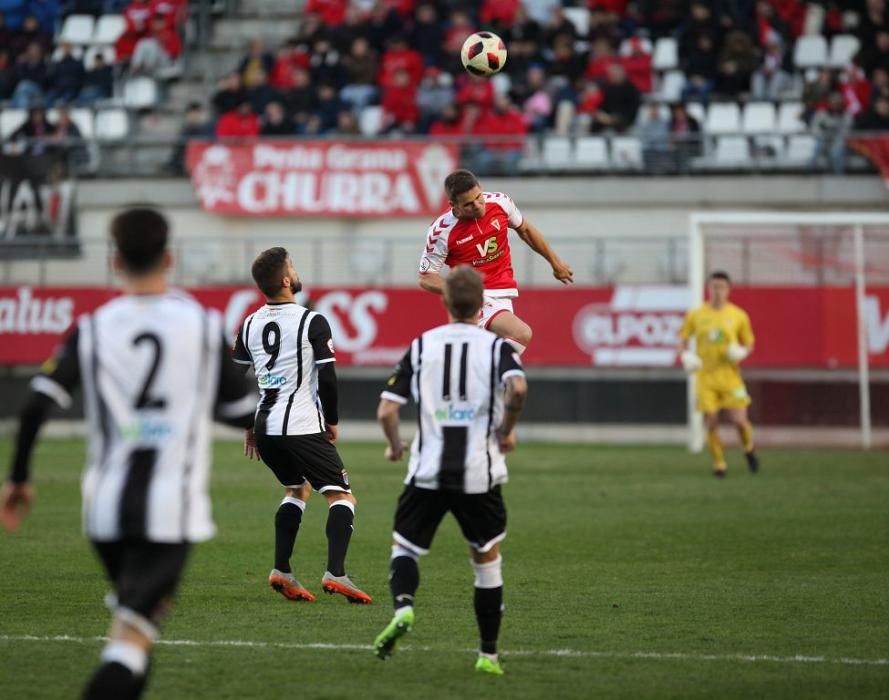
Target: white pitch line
569 653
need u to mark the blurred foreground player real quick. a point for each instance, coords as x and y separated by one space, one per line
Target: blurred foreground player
475 232
469 388
155 368
723 339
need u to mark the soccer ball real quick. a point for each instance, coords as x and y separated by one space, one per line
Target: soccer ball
483 53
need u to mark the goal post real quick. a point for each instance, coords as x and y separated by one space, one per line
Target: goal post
793 249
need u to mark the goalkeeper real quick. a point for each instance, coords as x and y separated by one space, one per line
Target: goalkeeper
723 338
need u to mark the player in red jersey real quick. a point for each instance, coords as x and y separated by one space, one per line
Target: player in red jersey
474 232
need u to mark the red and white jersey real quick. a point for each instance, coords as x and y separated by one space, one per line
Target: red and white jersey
482 243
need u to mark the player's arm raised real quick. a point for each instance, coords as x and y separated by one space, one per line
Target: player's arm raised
433 259
531 235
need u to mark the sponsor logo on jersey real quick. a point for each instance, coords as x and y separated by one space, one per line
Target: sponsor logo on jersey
269 381
455 414
147 430
488 247
465 240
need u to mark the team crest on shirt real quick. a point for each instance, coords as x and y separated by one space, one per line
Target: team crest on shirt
345 477
330 345
496 224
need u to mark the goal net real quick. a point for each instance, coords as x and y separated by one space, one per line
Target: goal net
816 287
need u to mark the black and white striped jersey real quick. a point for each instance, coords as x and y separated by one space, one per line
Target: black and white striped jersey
455 374
286 343
154 369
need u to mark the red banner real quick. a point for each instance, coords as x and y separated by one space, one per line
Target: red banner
876 150
629 326
322 178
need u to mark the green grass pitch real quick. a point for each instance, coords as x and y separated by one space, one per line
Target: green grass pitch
654 580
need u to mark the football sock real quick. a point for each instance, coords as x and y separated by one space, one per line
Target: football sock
404 579
745 432
339 532
287 521
714 444
488 613
122 674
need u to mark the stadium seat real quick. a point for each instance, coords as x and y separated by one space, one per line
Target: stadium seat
810 52
370 121
591 152
10 120
666 54
557 153
580 18
698 111
140 93
800 149
57 53
626 153
502 83
78 29
626 46
671 85
758 118
842 48
89 56
723 118
790 118
85 121
731 151
112 124
108 29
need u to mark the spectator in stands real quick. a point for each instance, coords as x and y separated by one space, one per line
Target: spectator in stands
876 55
501 155
66 143
699 66
137 19
33 137
46 12
327 112
195 128
326 64
737 61
30 33
772 78
876 118
383 22
256 65
310 30
352 28
448 123
346 124
498 14
589 101
31 77
874 20
302 101
537 107
7 74
65 77
879 83
700 23
174 12
620 104
229 94
275 121
637 62
472 88
98 82
523 39
685 135
459 26
331 12
564 60
662 17
158 50
287 59
399 56
558 26
601 58
435 93
654 135
361 67
831 127
400 103
262 93
816 92
242 123
427 33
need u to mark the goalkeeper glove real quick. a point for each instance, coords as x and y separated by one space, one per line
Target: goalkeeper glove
690 361
737 353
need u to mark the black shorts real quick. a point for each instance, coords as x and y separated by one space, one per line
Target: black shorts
144 575
481 516
299 458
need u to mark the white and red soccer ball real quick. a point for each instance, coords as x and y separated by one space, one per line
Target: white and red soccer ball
483 53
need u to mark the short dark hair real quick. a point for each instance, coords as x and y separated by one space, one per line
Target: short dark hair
269 269
458 182
463 292
140 237
720 275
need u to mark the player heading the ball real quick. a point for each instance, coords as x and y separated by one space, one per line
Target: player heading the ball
474 232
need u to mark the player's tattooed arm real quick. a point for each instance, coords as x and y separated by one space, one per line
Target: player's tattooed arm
531 235
513 403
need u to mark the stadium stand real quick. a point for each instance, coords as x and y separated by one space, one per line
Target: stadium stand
754 75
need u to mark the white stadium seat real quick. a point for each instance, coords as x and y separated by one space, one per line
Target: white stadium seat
591 152
666 54
579 17
810 52
723 118
140 93
112 124
790 118
108 29
800 149
671 85
78 29
627 44
557 152
698 111
626 153
759 118
842 49
85 121
370 121
10 120
732 151
57 54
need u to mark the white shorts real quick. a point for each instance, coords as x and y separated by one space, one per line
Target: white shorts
491 307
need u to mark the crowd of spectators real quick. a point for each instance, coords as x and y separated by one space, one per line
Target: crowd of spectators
403 55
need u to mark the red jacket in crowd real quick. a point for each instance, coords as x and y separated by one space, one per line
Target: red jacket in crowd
331 12
233 125
400 103
502 124
502 11
395 60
